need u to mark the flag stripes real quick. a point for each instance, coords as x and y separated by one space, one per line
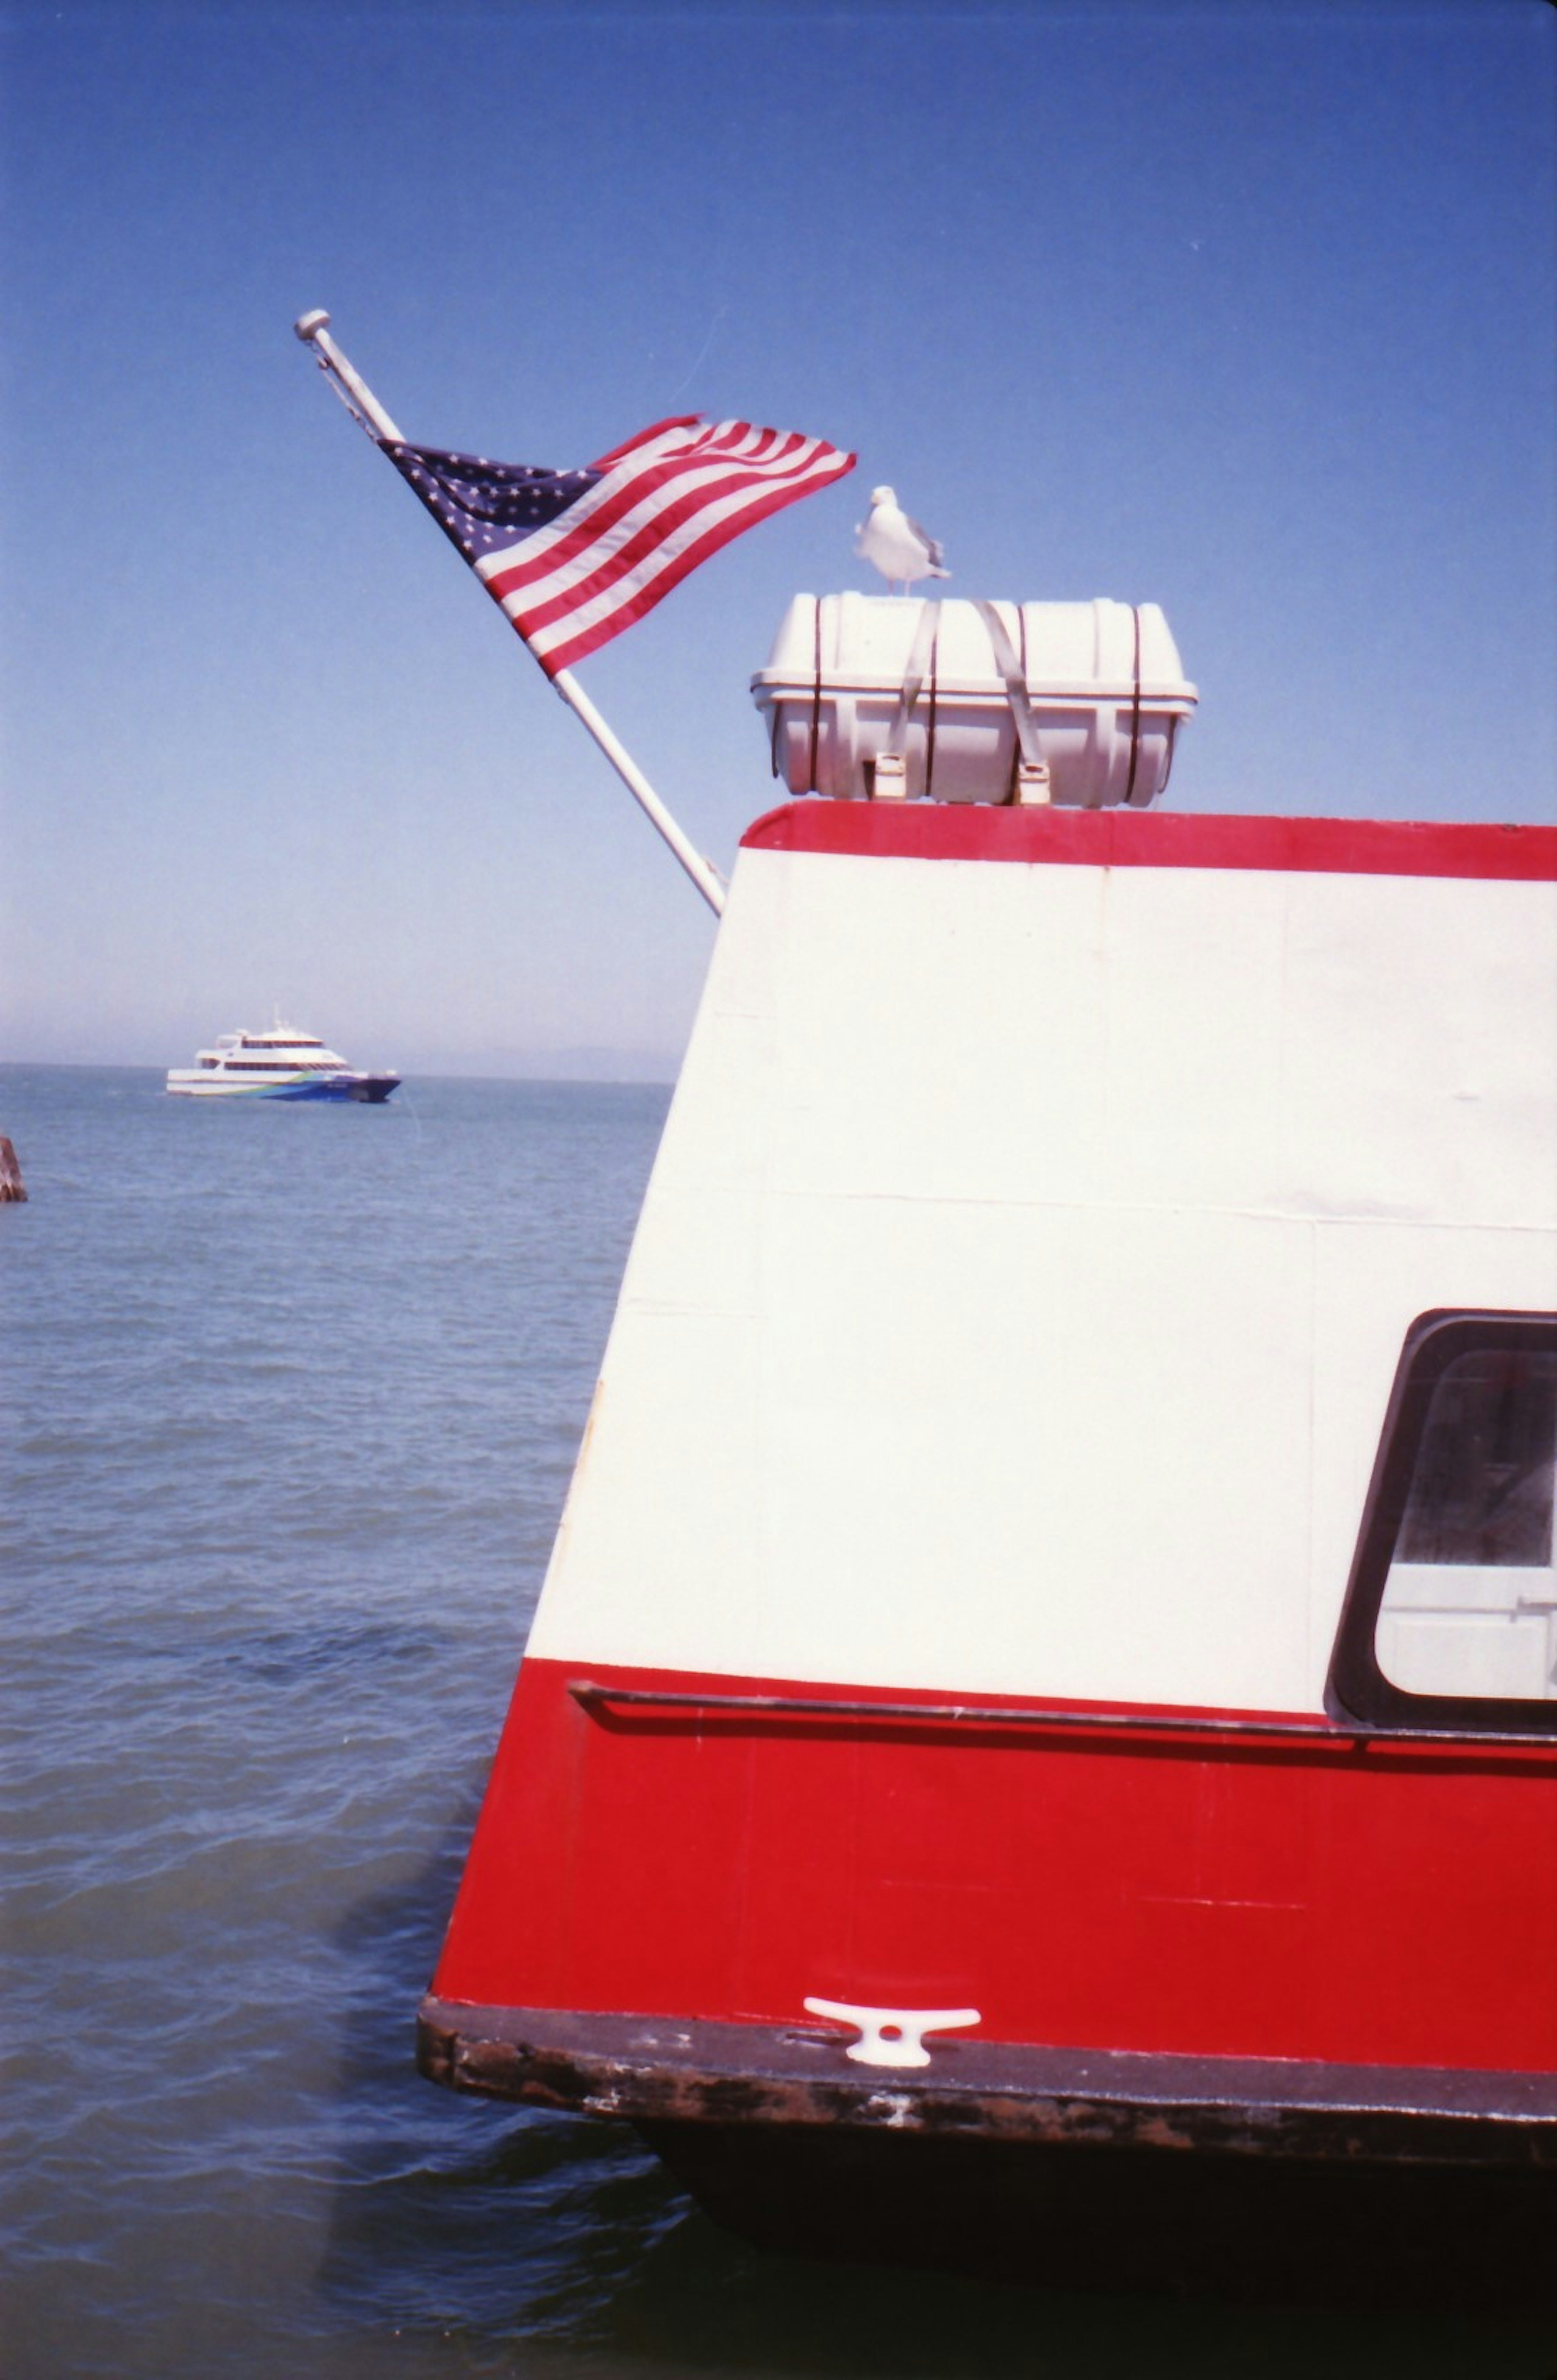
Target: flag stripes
574 558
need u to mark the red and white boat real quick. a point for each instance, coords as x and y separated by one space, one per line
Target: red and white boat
1040 1738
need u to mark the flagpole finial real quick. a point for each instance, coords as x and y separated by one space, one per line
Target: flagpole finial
312 330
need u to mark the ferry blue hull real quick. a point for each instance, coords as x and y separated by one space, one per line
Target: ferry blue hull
365 1089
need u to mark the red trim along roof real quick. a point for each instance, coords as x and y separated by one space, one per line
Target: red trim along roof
1118 838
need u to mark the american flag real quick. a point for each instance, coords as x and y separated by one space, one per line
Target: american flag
574 557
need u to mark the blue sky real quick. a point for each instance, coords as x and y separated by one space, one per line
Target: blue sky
1248 311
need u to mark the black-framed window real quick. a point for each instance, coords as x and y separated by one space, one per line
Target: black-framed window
1451 1613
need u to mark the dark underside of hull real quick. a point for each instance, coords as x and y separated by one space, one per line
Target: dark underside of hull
1207 2223
1064 2168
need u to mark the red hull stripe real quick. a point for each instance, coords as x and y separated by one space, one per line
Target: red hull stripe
1178 1894
1060 838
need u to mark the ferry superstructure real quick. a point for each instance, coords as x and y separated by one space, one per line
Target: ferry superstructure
279 1064
1040 1735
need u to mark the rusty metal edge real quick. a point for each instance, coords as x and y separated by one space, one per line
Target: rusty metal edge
650 2070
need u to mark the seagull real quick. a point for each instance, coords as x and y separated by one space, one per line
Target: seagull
900 549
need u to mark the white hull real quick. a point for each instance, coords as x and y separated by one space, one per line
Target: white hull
186 1082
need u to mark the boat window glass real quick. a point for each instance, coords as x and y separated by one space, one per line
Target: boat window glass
1450 1616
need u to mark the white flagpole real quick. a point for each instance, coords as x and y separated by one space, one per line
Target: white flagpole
314 330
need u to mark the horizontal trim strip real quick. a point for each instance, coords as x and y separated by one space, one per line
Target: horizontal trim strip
591 1693
1117 838
694 2070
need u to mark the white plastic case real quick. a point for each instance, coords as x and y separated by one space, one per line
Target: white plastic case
1104 686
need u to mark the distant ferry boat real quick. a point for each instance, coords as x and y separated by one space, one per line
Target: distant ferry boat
280 1065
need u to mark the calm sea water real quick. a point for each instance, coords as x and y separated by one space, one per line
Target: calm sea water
290 1399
